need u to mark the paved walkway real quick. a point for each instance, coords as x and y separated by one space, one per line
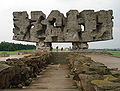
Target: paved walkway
109 61
51 79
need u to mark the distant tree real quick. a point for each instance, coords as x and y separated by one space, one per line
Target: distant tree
6 46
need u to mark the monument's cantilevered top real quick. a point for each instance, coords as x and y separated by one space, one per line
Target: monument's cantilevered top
58 28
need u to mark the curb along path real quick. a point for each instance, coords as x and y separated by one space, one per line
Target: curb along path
51 79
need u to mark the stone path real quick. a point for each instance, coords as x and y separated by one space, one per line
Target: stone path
51 79
109 61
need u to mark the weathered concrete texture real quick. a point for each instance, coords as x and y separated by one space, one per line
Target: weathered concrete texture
88 74
53 78
58 28
5 75
78 45
15 73
93 76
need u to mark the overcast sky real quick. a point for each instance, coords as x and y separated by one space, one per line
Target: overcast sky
8 6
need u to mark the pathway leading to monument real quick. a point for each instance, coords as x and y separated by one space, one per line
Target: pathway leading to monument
53 78
109 61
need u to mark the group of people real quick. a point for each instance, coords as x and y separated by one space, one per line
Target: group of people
51 48
57 48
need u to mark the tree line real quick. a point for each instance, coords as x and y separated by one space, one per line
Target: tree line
115 49
6 46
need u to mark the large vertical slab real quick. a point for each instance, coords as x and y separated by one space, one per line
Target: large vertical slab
58 28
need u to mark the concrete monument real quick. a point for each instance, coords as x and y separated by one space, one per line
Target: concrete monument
58 28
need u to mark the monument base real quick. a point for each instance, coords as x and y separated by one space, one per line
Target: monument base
45 46
79 45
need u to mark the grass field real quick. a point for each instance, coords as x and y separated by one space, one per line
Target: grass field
14 52
115 53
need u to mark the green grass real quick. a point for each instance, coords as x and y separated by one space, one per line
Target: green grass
115 53
14 52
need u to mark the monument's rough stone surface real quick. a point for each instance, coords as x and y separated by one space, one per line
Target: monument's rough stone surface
92 76
58 28
16 73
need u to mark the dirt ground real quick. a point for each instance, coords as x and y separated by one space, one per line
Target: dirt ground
109 61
